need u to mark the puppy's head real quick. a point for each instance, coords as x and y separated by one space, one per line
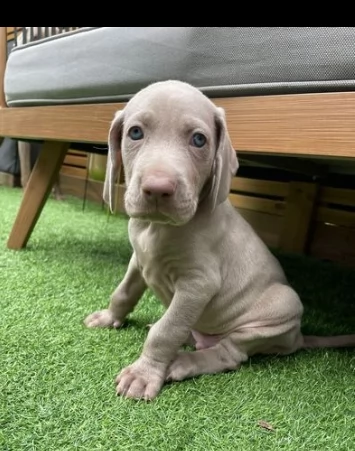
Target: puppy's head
176 153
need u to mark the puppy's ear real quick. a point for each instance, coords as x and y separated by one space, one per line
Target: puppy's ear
114 158
225 163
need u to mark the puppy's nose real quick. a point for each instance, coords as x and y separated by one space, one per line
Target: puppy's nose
158 187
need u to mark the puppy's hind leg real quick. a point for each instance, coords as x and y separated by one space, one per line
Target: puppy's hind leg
224 356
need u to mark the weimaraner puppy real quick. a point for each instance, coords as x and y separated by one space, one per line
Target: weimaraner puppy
220 284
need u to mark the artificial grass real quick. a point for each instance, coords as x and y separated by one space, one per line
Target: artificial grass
56 379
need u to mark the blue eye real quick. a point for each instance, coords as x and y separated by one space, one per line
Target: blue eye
135 133
198 140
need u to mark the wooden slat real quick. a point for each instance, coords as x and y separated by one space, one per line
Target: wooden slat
274 207
300 205
336 217
71 170
247 203
267 226
333 243
265 187
10 31
76 160
8 179
298 124
338 196
77 152
75 186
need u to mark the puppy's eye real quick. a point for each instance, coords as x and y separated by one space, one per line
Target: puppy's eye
198 140
135 133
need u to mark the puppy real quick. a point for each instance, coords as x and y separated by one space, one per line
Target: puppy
221 286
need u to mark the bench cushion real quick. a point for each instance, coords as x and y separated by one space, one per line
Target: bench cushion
109 64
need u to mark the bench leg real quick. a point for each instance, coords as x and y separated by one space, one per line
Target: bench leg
37 191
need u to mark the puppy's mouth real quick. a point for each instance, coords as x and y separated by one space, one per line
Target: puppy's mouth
171 212
157 217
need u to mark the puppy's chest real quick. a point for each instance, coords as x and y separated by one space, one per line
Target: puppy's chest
157 260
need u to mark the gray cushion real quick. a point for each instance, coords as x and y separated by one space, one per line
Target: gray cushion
9 159
106 64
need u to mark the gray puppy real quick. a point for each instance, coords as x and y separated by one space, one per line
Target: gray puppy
220 284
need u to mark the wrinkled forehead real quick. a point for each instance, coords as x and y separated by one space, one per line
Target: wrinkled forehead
172 103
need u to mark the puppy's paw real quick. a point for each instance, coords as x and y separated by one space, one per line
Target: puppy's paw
141 380
102 318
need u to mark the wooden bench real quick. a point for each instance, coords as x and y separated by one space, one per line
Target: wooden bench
302 125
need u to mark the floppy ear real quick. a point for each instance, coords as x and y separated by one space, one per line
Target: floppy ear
225 163
114 158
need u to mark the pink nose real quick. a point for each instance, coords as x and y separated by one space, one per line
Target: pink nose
156 187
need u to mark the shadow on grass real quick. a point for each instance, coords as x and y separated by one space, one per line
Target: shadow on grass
327 291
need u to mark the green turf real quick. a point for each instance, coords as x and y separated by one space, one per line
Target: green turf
56 376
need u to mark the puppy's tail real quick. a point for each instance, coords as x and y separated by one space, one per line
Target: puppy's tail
338 341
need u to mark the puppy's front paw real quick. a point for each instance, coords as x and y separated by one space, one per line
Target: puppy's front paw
102 318
141 380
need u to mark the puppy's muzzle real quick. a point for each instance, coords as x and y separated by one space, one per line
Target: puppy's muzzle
158 187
